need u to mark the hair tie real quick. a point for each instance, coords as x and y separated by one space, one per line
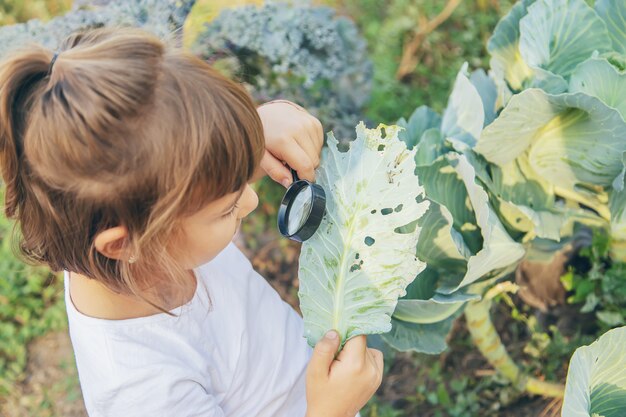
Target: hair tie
54 58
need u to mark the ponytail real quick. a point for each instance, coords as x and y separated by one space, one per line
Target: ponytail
21 76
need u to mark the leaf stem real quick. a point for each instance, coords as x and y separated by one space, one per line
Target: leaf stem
339 289
486 338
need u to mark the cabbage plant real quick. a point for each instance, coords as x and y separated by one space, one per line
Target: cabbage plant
596 381
561 103
462 239
515 159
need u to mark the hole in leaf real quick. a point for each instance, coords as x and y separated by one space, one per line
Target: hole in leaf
398 208
381 148
369 241
373 211
386 211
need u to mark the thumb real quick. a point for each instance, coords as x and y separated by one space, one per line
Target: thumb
276 170
324 354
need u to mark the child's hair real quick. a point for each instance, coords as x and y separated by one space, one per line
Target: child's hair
123 130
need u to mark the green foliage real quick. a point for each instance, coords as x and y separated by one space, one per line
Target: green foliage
386 24
454 399
547 349
376 408
443 392
598 283
31 304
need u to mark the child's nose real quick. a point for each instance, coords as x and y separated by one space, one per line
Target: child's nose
249 201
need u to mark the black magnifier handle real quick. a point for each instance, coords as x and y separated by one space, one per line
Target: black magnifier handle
294 174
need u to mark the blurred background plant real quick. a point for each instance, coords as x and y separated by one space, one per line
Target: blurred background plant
305 54
163 18
597 283
16 11
30 306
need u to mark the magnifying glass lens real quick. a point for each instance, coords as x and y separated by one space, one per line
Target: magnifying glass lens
299 210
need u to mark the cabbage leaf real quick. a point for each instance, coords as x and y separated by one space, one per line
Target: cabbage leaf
596 380
557 35
597 77
613 12
571 139
355 267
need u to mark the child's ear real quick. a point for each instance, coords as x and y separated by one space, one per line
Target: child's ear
110 242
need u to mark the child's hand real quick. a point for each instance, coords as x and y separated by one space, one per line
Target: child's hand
293 136
341 387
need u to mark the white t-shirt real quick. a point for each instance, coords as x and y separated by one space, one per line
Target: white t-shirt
236 349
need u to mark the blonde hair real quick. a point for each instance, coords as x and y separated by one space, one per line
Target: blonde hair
124 130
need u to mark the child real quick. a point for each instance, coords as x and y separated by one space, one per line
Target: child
126 164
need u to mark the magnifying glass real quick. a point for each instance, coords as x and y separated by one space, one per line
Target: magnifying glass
301 210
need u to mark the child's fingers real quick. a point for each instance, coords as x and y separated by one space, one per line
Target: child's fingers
276 169
354 351
291 152
375 359
309 143
318 132
323 355
314 138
